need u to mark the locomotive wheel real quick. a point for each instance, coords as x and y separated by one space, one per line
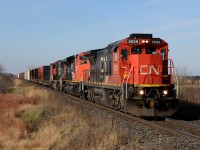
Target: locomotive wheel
85 95
90 95
119 103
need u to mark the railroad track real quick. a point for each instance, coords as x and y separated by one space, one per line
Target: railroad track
186 123
184 129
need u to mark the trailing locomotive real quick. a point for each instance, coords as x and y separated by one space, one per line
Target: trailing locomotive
133 75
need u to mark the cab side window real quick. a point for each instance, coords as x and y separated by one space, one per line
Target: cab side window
83 60
124 54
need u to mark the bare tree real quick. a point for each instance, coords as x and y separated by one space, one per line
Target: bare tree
183 75
5 80
2 69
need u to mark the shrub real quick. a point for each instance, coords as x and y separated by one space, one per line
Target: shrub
32 118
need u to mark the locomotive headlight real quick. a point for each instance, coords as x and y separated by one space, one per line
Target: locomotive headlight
165 92
145 41
141 92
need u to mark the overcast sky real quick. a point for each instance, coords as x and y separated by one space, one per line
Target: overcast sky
38 32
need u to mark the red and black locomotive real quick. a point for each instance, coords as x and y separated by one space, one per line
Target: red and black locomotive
133 75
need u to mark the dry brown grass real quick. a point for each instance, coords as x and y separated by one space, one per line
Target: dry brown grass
190 94
17 83
189 86
61 125
64 131
189 99
12 129
189 90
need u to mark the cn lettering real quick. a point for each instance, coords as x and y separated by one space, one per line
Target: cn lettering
149 70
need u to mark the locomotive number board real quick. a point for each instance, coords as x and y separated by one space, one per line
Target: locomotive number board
133 41
155 42
136 41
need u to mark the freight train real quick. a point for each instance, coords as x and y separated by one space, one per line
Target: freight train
133 75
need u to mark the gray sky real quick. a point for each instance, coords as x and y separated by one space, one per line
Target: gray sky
42 31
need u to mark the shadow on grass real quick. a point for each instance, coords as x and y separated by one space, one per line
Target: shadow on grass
187 111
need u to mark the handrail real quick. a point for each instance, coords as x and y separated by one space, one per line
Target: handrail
123 81
175 79
177 86
127 81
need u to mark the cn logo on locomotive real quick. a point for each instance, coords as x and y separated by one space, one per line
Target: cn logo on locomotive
149 70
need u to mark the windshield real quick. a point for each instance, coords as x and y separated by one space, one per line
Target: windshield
150 50
136 50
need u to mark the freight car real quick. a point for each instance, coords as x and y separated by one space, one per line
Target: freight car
133 75
34 75
44 75
21 76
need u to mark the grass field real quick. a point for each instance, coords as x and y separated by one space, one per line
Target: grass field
32 118
190 94
189 91
189 98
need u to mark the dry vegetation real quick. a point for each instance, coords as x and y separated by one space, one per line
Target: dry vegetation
32 118
190 93
189 89
189 86
5 80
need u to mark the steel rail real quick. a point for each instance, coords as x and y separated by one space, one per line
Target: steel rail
183 122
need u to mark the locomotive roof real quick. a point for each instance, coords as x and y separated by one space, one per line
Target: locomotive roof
92 52
69 59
